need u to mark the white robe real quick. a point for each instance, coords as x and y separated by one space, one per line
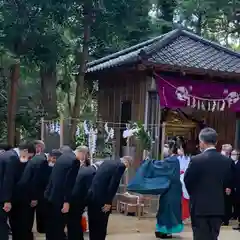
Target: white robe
183 161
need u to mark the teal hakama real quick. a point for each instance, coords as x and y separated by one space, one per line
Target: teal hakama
162 178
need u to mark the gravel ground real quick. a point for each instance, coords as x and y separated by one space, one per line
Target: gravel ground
130 228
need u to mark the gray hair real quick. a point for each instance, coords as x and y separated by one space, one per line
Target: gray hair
235 151
39 142
82 149
129 159
208 136
65 149
227 147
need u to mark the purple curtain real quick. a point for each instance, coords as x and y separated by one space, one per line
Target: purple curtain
202 95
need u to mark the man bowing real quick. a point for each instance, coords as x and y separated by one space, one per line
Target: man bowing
59 190
103 189
12 164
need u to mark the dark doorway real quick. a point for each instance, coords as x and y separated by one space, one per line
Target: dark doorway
126 116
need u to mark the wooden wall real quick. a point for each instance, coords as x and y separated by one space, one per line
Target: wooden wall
132 86
224 122
115 88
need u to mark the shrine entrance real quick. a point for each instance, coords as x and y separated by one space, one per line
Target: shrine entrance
178 124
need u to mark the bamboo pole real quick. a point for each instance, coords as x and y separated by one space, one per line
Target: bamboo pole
42 129
61 131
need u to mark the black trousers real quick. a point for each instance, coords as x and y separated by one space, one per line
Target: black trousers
236 207
206 228
98 221
56 222
41 216
3 224
21 219
228 201
75 231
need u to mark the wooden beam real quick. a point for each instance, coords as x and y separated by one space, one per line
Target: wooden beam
193 71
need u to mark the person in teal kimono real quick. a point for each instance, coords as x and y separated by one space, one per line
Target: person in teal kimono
162 177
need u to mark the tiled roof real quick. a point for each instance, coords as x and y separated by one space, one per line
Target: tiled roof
179 48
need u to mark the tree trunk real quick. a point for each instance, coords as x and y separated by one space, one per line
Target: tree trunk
75 114
199 25
48 90
12 102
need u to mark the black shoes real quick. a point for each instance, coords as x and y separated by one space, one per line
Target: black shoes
237 228
163 235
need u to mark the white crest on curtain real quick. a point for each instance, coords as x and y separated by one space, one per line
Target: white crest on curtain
232 97
182 93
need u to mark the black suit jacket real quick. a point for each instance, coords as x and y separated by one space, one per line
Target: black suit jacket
10 172
205 179
62 179
106 182
82 185
35 178
236 179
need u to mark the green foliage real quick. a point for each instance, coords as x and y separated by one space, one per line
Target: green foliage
104 152
122 24
81 138
40 33
142 135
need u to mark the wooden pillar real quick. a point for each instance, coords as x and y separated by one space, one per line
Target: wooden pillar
153 115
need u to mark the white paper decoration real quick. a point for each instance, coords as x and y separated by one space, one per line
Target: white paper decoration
194 103
198 104
223 106
214 106
209 106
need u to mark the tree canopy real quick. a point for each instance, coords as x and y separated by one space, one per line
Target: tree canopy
51 41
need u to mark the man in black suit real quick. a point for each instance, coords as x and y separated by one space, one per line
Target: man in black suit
30 186
59 191
228 198
206 177
103 189
41 209
79 200
3 148
236 186
12 164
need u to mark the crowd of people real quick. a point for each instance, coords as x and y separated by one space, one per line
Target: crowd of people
205 187
58 187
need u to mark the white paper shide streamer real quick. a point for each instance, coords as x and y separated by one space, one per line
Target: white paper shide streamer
92 138
129 132
183 94
109 132
54 127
